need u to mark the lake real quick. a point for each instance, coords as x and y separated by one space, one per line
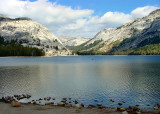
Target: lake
132 79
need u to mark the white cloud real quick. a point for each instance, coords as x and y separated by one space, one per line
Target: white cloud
142 11
64 20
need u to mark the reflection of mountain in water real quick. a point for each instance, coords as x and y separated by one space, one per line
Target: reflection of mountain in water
133 79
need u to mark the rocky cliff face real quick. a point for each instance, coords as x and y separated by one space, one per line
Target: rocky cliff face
32 34
128 36
72 41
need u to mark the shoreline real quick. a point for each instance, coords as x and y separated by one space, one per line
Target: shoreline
12 105
7 108
69 56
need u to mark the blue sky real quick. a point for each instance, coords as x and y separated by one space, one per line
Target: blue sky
79 18
102 6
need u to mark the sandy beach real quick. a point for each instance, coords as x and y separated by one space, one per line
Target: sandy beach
6 108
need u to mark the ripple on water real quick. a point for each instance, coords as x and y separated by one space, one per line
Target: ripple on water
133 80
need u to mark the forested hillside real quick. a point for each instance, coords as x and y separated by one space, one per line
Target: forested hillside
12 48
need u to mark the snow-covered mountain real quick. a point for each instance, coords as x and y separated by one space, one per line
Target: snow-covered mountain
72 41
32 34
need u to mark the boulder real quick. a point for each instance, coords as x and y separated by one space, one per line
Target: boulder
121 109
76 102
77 106
60 104
69 105
48 103
135 109
156 107
99 104
28 96
48 98
101 107
7 99
123 102
82 105
24 96
34 102
119 104
91 106
64 99
111 100
40 99
124 112
16 104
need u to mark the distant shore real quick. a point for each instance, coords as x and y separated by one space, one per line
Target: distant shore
7 108
74 56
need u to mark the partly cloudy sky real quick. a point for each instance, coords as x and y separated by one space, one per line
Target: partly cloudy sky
82 18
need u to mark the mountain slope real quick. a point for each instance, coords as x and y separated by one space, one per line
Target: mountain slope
32 34
131 35
152 49
72 41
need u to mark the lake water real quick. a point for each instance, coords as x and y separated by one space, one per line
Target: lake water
133 79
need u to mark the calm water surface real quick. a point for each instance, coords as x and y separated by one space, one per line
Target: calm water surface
133 79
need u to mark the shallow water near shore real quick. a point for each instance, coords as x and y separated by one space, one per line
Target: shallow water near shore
132 79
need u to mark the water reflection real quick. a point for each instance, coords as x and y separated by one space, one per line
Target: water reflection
133 79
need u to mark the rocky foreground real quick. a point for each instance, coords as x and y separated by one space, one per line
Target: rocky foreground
11 105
